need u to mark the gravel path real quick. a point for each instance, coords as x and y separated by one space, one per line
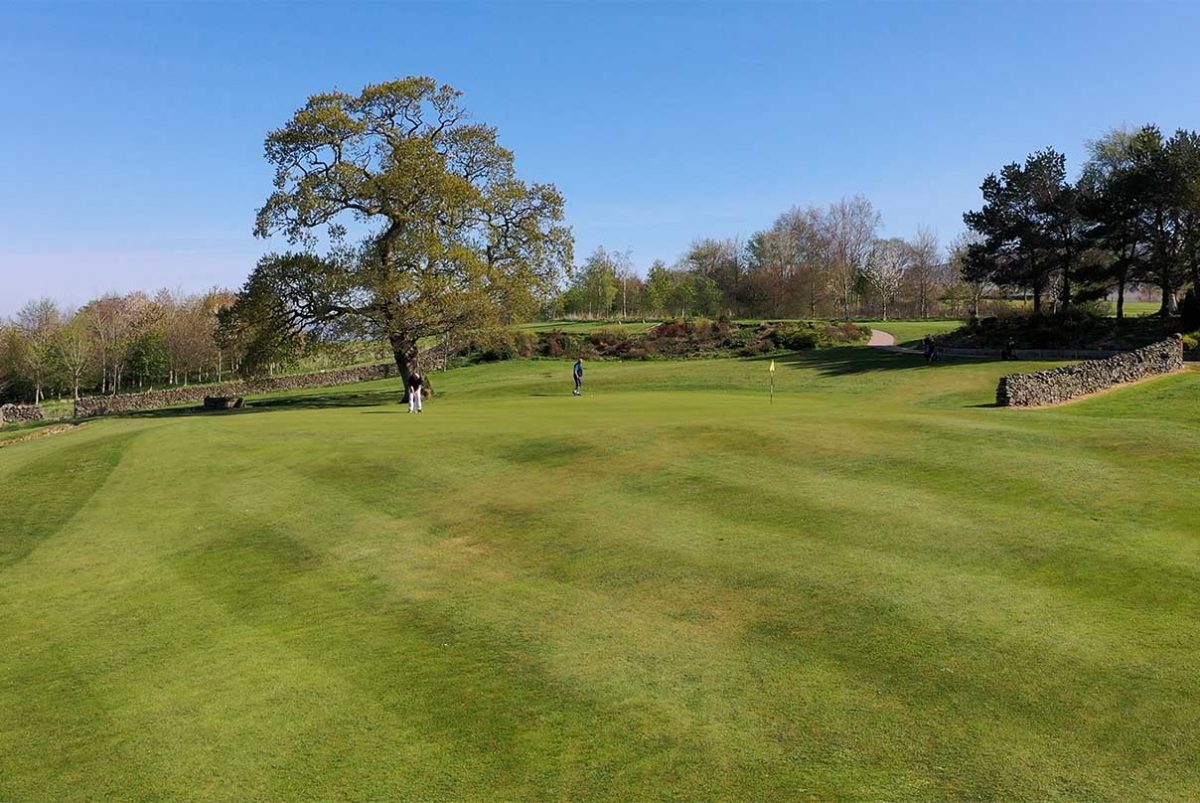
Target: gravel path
887 342
881 338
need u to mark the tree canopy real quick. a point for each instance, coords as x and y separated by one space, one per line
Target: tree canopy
1132 217
453 238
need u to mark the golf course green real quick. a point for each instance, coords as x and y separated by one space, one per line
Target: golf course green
877 587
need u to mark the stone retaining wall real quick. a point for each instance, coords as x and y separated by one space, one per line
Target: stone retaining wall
1072 381
130 402
1048 355
20 412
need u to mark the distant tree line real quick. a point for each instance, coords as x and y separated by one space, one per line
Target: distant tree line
112 344
477 248
810 263
1131 219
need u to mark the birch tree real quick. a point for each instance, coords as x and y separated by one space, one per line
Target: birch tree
37 323
851 225
887 263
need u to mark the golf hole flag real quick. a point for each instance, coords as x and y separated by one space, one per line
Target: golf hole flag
772 370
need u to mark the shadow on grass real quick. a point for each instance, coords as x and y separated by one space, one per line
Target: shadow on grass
846 360
322 401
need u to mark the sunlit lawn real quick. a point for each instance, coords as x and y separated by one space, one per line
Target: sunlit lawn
911 333
876 588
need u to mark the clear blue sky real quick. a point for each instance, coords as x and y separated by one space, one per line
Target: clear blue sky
132 133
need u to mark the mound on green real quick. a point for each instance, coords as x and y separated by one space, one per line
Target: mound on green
877 588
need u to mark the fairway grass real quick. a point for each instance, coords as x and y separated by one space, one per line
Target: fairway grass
911 333
879 587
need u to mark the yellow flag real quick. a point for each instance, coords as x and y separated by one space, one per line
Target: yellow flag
772 368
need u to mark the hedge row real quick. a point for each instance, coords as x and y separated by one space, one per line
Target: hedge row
673 339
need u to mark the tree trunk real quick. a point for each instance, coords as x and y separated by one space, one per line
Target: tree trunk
1121 297
1166 269
404 351
1168 300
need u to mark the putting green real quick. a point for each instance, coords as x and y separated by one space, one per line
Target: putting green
876 588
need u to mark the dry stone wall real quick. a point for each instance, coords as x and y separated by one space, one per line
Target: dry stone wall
1072 381
20 412
131 402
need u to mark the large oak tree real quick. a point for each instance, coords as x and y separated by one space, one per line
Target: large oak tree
454 240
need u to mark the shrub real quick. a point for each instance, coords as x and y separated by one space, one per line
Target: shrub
757 346
551 344
609 337
699 337
852 332
527 343
502 344
670 329
794 340
1072 330
736 337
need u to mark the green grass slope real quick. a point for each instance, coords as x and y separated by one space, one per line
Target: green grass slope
911 333
876 588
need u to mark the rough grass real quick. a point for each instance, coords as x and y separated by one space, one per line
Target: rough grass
876 588
20 430
1137 308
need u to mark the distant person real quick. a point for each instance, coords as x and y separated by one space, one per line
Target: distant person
930 348
1010 350
416 385
577 372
